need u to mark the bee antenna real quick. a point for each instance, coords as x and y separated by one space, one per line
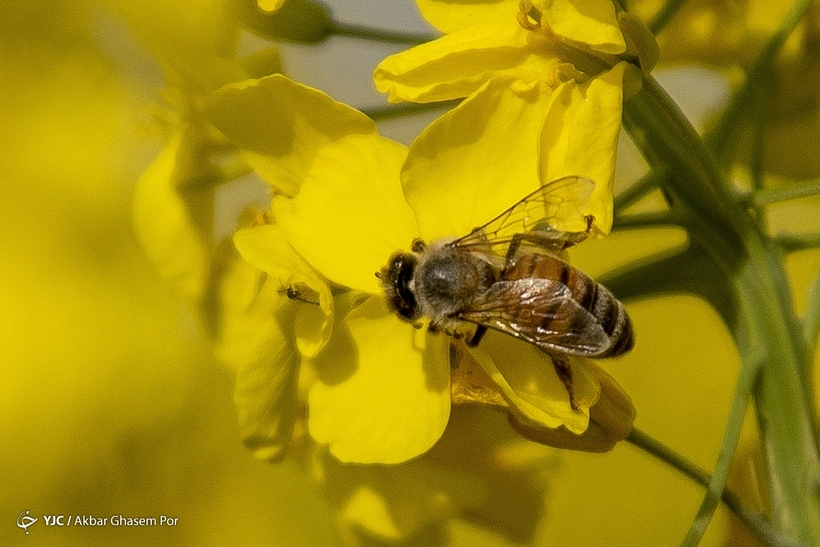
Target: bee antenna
378 275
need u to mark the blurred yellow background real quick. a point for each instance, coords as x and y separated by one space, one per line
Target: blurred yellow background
110 401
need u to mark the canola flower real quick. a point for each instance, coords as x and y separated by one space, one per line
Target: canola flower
502 39
316 188
557 67
383 392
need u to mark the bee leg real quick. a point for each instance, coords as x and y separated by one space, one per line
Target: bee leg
564 371
512 249
550 241
479 333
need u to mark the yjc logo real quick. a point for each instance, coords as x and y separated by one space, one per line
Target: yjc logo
24 521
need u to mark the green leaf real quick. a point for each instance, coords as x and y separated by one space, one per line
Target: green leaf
684 270
811 319
721 139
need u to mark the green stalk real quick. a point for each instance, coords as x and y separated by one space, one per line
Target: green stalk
646 220
380 35
767 332
749 370
664 15
756 522
798 242
765 196
720 137
636 191
410 109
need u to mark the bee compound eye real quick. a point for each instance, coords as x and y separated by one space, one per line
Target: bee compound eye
400 274
405 275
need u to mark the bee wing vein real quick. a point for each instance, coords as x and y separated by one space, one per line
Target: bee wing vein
542 312
559 201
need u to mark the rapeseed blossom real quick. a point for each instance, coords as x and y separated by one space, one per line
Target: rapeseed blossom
382 388
553 71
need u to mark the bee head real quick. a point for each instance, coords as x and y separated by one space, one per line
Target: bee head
396 278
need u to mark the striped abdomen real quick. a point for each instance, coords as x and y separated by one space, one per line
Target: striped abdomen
588 293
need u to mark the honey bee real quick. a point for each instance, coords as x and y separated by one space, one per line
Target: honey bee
510 275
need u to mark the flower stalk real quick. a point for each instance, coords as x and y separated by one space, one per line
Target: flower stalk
766 329
755 521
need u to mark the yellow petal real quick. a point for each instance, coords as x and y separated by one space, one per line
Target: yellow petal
395 502
266 391
611 420
280 126
255 338
174 238
266 248
531 385
458 64
383 390
590 22
477 160
350 214
613 414
454 15
580 137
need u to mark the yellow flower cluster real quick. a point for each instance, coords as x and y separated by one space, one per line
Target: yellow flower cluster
302 317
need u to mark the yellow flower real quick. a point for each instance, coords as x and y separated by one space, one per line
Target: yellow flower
169 222
262 334
508 139
480 469
545 76
382 389
487 41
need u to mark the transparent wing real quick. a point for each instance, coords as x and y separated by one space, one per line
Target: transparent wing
555 210
541 312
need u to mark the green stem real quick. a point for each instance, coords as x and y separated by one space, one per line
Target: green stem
687 269
646 220
784 401
673 147
717 483
800 242
380 35
766 196
400 110
757 161
811 319
767 332
720 138
755 521
664 15
637 191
